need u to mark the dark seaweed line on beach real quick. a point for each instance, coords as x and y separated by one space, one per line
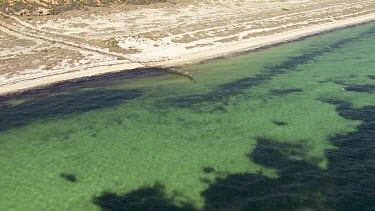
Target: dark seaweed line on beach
144 72
86 82
223 92
284 42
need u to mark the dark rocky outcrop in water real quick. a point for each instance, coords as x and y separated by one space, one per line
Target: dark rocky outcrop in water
144 199
208 170
61 105
348 183
361 88
223 92
279 123
69 177
284 91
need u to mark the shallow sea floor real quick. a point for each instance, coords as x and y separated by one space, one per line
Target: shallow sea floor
289 127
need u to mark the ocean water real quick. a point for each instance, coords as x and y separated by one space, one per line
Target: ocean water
290 127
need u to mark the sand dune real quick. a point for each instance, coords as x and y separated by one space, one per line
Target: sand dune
41 50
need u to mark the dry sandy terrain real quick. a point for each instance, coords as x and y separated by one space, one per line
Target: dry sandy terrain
40 50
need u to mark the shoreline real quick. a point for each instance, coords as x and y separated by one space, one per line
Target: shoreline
264 42
240 47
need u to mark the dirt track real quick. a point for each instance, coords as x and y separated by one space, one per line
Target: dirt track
37 47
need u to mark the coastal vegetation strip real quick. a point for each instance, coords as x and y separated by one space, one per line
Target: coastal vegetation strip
166 34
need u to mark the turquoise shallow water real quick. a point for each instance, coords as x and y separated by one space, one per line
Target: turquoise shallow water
289 127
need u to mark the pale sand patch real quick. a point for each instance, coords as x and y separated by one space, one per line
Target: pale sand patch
165 34
108 67
258 42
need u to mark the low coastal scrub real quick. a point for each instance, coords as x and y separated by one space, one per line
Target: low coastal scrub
25 8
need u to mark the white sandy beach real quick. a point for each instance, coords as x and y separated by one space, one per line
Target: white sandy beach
180 43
